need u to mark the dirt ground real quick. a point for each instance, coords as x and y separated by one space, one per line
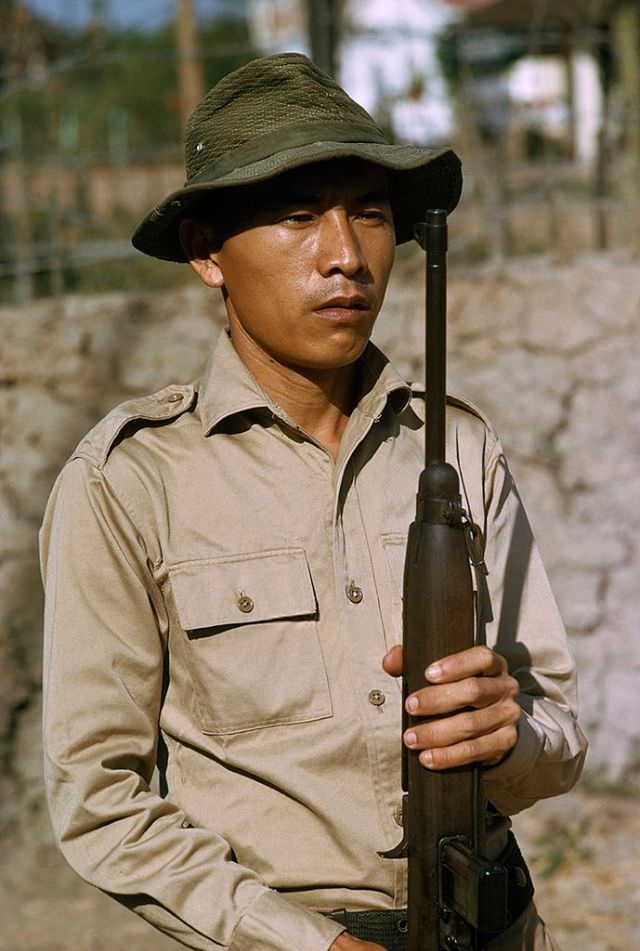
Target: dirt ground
584 850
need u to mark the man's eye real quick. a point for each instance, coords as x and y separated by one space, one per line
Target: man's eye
373 214
298 216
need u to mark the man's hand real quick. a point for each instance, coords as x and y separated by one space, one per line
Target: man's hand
346 942
478 679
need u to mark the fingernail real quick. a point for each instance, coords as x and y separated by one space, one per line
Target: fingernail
412 704
434 672
410 739
426 758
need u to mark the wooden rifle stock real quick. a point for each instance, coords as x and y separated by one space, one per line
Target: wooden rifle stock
453 894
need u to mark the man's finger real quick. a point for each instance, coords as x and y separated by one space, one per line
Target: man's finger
472 692
474 662
486 750
466 726
392 661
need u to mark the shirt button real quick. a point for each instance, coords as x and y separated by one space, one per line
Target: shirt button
376 697
245 603
354 593
397 816
174 398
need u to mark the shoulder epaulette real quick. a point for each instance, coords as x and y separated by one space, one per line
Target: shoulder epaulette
418 391
163 406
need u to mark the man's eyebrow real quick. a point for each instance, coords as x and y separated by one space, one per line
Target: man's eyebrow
316 198
380 194
297 198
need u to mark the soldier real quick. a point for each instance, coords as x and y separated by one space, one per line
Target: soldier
223 564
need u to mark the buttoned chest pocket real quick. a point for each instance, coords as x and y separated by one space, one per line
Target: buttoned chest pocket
251 640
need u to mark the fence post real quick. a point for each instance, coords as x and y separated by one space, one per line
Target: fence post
24 264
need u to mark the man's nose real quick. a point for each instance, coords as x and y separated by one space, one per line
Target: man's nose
339 247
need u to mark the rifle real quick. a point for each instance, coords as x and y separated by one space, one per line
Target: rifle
456 899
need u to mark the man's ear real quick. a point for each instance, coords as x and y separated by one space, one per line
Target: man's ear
197 242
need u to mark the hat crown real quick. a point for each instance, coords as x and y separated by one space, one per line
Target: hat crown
263 97
279 113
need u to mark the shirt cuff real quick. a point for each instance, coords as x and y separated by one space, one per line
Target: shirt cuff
502 781
274 923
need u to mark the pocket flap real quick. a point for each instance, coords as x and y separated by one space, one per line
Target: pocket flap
243 589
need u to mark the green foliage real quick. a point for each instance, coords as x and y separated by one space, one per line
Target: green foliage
96 97
132 74
112 93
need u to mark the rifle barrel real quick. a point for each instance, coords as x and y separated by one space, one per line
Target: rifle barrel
435 333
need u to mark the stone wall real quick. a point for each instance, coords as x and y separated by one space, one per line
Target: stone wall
550 352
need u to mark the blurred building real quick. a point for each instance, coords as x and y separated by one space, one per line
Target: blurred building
546 93
558 102
551 91
388 57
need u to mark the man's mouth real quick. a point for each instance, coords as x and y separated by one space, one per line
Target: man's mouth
342 305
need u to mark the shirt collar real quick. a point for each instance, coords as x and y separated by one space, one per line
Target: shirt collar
227 387
380 383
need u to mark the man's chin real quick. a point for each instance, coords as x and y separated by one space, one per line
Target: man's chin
328 360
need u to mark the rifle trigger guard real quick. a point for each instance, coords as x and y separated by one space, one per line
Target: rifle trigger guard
401 850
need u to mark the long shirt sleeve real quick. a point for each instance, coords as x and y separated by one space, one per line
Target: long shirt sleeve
219 596
550 751
104 667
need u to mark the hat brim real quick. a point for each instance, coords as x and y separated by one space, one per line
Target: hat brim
419 178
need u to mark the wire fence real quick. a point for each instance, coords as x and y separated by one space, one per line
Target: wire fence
90 132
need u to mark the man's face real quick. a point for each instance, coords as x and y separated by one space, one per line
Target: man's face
305 262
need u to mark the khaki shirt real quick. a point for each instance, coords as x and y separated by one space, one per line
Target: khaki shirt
220 594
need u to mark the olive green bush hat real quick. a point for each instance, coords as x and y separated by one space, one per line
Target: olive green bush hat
278 113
